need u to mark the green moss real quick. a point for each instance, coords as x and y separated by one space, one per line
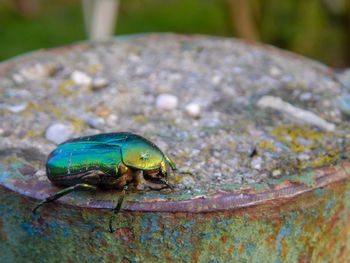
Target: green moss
307 178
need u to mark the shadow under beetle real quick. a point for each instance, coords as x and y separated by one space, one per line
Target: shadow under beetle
107 161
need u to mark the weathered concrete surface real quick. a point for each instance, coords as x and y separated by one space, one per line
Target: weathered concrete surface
268 185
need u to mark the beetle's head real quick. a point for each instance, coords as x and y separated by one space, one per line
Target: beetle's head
158 175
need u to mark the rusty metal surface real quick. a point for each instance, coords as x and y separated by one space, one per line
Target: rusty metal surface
311 227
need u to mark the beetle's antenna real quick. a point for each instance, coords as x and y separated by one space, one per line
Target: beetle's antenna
173 167
116 210
183 172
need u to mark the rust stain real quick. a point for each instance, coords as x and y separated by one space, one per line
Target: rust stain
195 257
285 184
3 236
241 249
125 234
224 238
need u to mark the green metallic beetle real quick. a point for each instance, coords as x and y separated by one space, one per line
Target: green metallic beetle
109 161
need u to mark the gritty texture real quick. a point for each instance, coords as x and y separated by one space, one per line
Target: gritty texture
230 143
267 184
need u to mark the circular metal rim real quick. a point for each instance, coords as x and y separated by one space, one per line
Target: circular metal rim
221 201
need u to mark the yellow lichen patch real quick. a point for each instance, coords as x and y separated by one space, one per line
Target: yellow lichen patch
176 178
140 118
30 134
64 88
31 106
10 159
289 135
266 145
94 68
57 111
206 149
77 123
325 159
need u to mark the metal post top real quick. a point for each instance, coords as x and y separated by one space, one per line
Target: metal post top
250 122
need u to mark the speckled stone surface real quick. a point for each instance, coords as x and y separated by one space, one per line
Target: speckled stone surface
227 141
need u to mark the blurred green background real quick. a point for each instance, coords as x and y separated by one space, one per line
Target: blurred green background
319 29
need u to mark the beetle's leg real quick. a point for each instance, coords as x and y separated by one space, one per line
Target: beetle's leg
171 163
165 184
116 210
64 192
165 181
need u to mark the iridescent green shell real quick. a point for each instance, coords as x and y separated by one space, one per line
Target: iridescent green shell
103 152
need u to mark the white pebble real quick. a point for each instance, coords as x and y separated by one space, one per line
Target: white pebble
256 163
278 104
36 72
99 83
276 173
166 101
216 79
237 70
41 174
17 108
112 120
305 96
97 123
59 132
193 109
303 157
274 71
81 78
18 78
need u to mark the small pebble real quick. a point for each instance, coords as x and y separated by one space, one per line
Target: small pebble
81 78
305 96
17 108
37 71
27 169
237 70
305 142
276 173
303 157
99 83
166 101
59 132
274 71
112 120
102 111
18 78
216 79
97 123
343 103
41 174
306 116
256 163
193 109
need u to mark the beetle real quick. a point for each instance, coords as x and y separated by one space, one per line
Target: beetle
107 161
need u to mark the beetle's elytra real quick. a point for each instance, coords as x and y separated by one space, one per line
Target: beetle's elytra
110 160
